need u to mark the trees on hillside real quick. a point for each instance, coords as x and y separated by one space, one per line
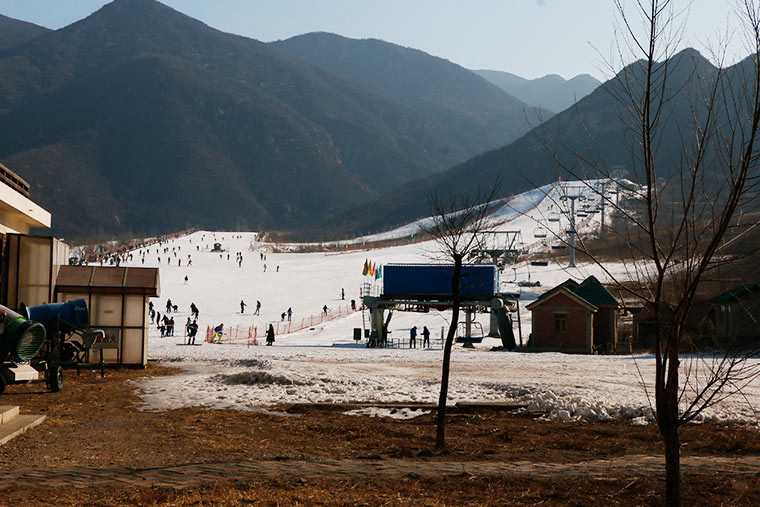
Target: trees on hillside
674 228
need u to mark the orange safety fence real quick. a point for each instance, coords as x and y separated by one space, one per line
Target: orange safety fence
250 334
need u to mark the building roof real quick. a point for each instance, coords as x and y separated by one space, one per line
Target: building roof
18 213
589 293
739 292
594 292
105 279
560 289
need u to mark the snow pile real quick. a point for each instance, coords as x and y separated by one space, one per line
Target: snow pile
256 377
577 409
392 413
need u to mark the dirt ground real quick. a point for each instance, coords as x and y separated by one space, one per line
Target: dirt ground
94 422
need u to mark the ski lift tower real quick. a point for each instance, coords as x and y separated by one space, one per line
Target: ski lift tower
572 194
499 246
602 189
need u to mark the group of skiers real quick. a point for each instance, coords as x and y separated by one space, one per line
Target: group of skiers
243 305
413 337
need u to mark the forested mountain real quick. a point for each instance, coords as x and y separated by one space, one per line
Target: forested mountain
551 91
476 114
139 118
593 134
14 32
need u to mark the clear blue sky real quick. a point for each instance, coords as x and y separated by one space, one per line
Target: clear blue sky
530 38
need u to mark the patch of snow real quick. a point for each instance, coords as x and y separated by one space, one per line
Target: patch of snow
391 413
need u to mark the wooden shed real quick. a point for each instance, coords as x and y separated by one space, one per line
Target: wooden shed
117 299
573 317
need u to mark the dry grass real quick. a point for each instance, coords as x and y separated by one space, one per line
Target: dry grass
94 422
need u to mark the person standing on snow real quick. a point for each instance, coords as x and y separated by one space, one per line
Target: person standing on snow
258 307
242 306
192 331
413 337
290 313
425 337
270 335
343 294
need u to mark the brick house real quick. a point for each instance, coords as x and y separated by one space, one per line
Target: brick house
573 317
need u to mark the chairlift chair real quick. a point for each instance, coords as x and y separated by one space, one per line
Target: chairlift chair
553 216
539 232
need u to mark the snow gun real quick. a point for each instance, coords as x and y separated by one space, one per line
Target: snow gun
20 341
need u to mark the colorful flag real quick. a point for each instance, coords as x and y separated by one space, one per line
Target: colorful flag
378 272
364 271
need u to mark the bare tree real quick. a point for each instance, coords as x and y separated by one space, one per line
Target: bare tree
674 225
456 222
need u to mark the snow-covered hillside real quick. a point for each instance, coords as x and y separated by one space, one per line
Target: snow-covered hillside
323 363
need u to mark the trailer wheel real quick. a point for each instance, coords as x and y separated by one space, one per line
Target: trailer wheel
54 379
3 384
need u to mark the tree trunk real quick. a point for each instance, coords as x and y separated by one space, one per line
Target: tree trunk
672 467
667 420
440 436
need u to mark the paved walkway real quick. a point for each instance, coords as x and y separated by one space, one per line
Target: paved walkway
181 476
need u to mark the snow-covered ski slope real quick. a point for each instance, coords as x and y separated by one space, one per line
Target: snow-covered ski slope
322 363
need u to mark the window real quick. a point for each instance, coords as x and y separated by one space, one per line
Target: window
560 322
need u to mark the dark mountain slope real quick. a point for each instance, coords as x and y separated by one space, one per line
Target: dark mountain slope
145 114
551 92
380 140
478 115
199 161
14 32
586 136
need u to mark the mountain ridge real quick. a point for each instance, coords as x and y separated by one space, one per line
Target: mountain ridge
531 161
484 116
311 143
551 91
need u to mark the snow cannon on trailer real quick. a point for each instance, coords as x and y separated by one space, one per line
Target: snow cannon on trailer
217 248
62 338
20 340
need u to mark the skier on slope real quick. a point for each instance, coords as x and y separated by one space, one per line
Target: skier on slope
242 306
218 330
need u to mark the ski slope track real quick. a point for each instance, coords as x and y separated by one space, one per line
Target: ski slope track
322 363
